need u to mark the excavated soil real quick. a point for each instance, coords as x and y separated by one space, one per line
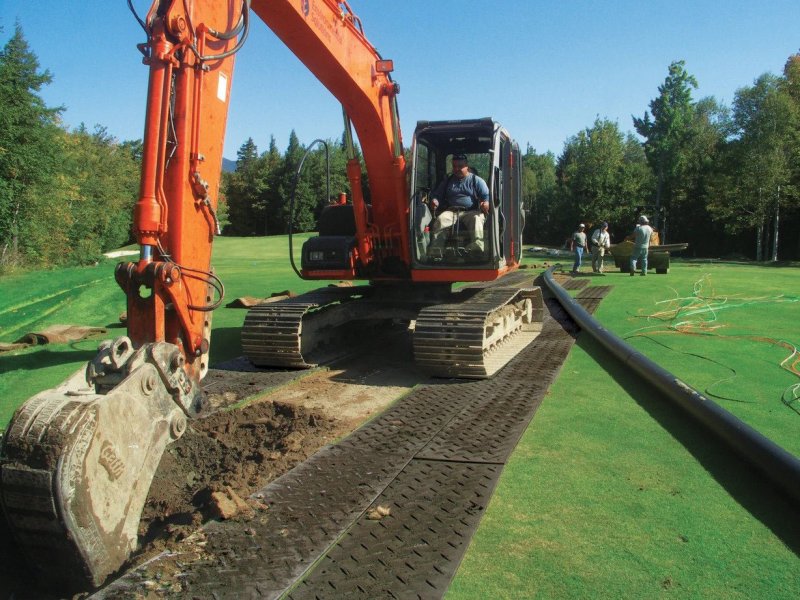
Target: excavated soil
226 457
261 424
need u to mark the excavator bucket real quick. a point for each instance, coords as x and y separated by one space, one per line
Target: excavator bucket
76 467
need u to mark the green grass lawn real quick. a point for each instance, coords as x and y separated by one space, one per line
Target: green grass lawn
611 493
90 296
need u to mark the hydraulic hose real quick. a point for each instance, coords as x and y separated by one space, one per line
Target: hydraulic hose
297 173
782 467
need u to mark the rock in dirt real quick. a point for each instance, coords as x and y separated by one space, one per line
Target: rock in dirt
379 512
227 504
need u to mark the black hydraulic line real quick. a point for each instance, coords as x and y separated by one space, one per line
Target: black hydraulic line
136 16
294 192
782 467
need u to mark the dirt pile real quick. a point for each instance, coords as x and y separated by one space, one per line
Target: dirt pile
220 461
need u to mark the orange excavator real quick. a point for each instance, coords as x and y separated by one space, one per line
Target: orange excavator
77 461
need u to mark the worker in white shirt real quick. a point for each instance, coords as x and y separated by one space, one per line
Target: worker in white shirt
601 242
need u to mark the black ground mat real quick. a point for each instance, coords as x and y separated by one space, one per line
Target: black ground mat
488 430
590 297
595 291
308 509
433 508
223 387
431 463
575 284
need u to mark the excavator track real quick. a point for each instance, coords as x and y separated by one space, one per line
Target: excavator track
472 332
291 332
474 339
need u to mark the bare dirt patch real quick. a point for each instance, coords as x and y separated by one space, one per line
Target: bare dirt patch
351 394
222 460
227 455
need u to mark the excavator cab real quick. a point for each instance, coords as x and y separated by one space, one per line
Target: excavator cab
456 240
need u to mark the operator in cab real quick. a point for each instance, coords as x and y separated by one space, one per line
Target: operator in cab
460 201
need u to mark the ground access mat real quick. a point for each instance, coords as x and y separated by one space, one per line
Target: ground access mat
389 511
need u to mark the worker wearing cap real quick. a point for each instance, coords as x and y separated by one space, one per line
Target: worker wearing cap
462 196
601 242
578 244
641 245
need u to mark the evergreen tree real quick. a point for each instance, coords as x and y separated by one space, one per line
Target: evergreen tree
304 201
246 155
28 132
318 173
273 161
245 191
667 130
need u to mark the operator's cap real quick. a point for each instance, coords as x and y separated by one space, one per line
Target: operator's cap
603 225
581 226
643 220
460 156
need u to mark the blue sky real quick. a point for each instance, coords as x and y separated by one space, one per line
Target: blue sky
545 69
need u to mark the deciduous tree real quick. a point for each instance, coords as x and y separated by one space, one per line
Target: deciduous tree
602 176
758 171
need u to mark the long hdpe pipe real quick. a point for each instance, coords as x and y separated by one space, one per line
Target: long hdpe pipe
782 467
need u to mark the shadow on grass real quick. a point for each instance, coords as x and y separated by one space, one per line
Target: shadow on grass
43 358
749 487
226 344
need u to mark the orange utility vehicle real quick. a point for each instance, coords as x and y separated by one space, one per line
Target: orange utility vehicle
77 461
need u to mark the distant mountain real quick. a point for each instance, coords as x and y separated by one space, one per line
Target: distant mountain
228 166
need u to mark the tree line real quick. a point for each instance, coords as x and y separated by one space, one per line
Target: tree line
724 179
65 196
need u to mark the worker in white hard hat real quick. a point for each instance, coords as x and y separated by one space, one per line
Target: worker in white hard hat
641 245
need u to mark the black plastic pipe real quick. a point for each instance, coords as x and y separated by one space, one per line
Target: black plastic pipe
782 467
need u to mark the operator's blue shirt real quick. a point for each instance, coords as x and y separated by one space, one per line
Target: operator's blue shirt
467 193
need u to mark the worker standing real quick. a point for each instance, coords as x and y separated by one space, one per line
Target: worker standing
578 244
601 242
641 245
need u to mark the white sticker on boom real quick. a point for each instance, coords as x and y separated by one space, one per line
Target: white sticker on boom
222 87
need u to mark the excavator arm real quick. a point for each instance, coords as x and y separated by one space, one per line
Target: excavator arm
190 53
329 40
171 290
77 461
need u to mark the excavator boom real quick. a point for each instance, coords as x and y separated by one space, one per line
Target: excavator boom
77 461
